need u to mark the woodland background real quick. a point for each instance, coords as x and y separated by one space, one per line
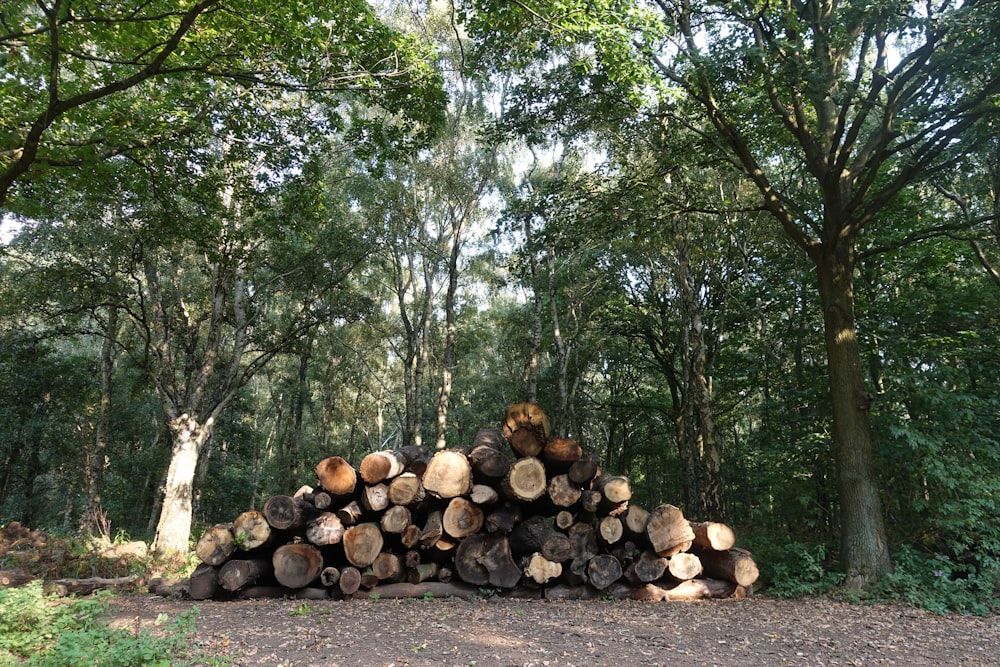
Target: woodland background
244 236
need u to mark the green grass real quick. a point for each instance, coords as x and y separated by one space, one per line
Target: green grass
36 629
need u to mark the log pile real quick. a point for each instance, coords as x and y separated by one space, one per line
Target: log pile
517 512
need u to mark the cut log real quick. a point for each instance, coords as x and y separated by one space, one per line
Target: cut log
288 513
336 476
561 453
525 481
735 565
563 492
484 494
462 518
713 535
634 521
488 464
527 427
585 470
375 497
362 544
603 570
396 519
410 536
436 589
700 589
564 519
322 500
668 531
297 565
488 437
448 475
238 573
15 578
610 529
503 519
541 570
326 529
616 489
329 576
467 560
422 572
406 489
380 466
648 567
251 530
583 539
485 559
350 580
275 592
590 500
529 535
389 567
66 587
204 582
683 566
216 545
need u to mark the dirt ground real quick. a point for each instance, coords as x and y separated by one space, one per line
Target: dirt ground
523 633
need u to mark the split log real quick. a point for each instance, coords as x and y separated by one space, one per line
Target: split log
362 544
238 573
297 565
526 427
462 518
406 489
525 481
488 464
350 580
713 535
561 453
668 531
288 512
375 497
380 466
396 519
485 559
683 566
563 492
204 582
433 529
251 530
534 533
350 513
216 545
448 475
541 570
603 570
326 529
336 476
735 565
65 587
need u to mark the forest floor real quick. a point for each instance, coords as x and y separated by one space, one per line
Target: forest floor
509 632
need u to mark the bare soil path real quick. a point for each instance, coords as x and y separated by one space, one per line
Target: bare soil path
523 633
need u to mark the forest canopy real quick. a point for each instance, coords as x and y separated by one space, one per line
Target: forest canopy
747 254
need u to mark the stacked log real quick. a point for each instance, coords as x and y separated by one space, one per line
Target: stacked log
518 510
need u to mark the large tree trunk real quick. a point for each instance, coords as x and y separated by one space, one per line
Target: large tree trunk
865 551
174 527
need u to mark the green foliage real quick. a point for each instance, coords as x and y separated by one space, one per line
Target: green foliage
938 583
793 569
36 629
